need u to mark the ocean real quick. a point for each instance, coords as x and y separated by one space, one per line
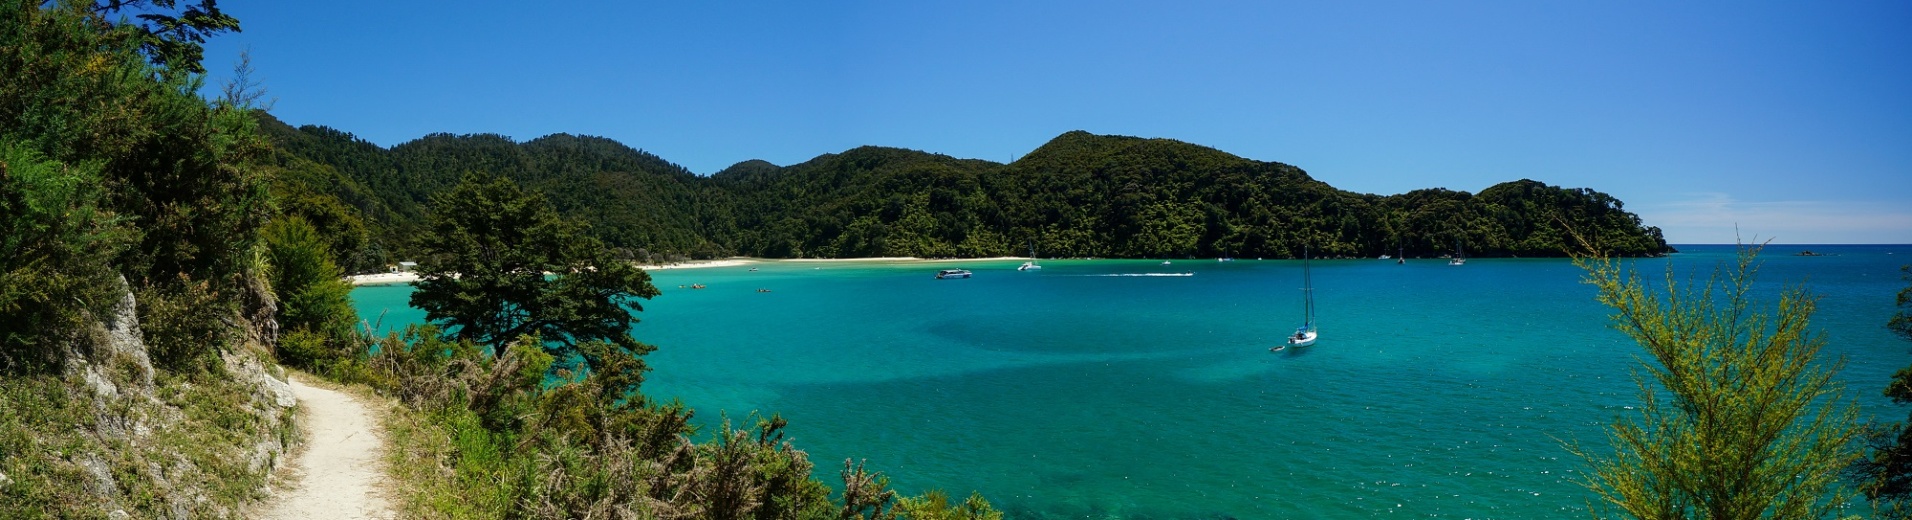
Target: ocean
1103 389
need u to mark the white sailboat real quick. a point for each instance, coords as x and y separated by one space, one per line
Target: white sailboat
1305 335
1460 255
1031 265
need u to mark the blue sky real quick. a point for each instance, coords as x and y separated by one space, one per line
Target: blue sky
1791 120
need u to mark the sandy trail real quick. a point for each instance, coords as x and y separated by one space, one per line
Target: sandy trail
339 472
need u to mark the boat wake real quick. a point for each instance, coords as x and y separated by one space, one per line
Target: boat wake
1142 274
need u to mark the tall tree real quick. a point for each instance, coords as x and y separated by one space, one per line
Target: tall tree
500 263
1744 422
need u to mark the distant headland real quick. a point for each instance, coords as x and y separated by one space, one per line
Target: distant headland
1079 195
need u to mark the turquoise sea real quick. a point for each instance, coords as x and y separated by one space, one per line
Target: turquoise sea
1078 392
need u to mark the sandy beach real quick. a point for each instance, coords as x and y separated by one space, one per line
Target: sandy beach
700 264
409 277
383 278
903 259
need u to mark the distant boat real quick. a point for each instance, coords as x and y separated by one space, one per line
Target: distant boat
1031 265
952 273
1305 335
1402 258
1460 255
1165 262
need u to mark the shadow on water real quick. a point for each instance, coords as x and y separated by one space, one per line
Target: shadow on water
1287 352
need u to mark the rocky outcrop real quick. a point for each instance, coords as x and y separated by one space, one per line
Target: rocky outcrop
176 441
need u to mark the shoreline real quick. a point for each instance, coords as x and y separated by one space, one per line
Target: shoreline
362 280
700 264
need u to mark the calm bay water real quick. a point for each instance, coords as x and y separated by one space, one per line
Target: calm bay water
1435 391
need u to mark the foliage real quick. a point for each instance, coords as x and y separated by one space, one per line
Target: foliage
315 302
1078 195
1885 474
242 91
173 39
78 93
934 505
502 264
491 437
67 454
1743 423
56 245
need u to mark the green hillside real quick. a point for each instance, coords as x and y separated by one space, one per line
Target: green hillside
1079 195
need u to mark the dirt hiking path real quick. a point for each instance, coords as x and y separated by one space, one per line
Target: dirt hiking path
341 469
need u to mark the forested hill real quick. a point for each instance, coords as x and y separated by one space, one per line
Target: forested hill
1078 195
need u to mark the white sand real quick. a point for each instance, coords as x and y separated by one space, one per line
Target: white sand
405 278
700 264
904 259
871 259
383 278
991 259
341 469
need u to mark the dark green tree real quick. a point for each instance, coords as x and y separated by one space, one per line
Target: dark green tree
1885 475
500 264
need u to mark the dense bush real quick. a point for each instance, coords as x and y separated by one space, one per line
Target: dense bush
83 99
56 247
315 302
500 439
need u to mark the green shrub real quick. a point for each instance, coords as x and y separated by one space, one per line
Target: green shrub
314 299
185 323
56 246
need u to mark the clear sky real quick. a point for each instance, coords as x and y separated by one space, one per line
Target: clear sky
1791 120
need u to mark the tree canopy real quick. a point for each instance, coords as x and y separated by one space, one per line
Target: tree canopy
500 264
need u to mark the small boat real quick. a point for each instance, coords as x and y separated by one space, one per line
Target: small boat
1305 335
1460 255
1165 262
1031 265
753 269
697 286
952 273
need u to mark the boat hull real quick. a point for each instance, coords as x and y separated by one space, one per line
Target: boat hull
1303 341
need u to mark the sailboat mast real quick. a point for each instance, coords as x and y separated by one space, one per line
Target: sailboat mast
1307 290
